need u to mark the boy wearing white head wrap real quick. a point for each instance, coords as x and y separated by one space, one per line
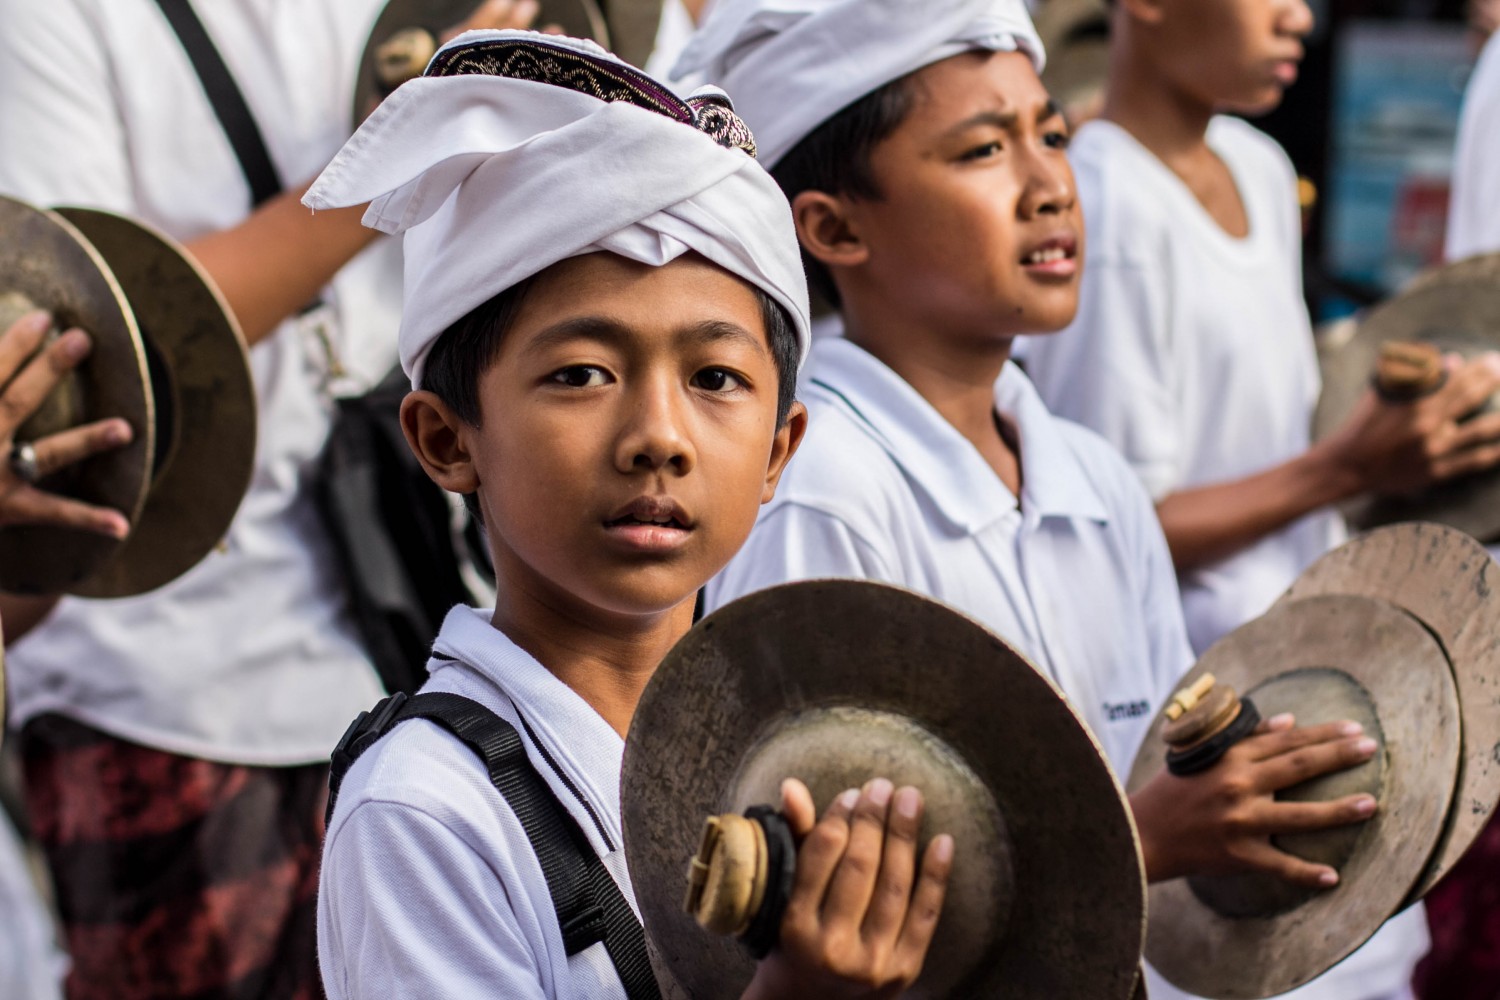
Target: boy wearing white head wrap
935 204
605 315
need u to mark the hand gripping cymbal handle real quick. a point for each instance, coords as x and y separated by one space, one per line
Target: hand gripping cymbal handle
1408 371
1204 721
741 879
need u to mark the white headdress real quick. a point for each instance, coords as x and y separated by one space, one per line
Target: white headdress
794 64
517 150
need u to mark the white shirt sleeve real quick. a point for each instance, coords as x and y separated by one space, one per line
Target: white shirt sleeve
796 542
1474 210
60 127
1113 369
407 908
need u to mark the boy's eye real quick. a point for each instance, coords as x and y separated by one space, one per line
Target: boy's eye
580 376
716 380
1058 140
983 152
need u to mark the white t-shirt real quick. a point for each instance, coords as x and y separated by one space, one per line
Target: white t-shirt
430 887
251 657
1474 211
31 966
1192 351
1076 576
1193 354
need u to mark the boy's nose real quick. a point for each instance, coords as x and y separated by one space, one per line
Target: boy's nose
1050 189
654 437
1297 18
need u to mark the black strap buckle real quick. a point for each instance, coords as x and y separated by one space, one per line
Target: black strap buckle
362 733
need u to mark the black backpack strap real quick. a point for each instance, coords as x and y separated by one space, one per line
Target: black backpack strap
228 103
590 906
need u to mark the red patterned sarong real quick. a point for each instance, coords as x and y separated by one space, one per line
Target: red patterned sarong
1463 912
177 877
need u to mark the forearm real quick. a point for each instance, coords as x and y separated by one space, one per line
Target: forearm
20 614
275 262
1208 523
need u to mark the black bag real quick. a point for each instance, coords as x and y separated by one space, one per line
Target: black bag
393 529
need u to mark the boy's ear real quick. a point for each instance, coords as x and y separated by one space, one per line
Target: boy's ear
788 439
438 438
826 230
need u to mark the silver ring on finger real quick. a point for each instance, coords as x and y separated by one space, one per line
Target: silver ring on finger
23 462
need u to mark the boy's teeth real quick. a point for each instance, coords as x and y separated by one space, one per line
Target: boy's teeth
1046 256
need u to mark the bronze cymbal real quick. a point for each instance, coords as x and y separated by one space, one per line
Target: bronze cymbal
578 18
45 263
1445 580
840 681
1456 308
205 405
1323 659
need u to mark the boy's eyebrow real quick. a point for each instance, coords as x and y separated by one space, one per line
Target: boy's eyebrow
608 331
1005 119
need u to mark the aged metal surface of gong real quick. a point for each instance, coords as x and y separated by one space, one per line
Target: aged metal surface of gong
205 405
578 18
838 682
45 263
1457 309
1447 581
1323 659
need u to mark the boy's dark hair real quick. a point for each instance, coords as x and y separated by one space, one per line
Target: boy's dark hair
465 351
835 158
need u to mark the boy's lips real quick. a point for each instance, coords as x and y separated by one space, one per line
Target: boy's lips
1056 256
650 524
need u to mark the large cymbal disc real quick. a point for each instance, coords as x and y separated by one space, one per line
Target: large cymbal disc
46 263
578 18
205 405
1458 309
1324 659
1445 580
840 681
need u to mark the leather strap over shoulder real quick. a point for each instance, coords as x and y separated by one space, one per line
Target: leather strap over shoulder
590 906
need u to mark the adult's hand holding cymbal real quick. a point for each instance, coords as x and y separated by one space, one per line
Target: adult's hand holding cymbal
1222 820
28 376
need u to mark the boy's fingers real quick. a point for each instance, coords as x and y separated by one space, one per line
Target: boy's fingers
927 902
1483 429
853 881
1470 460
797 806
57 451
1301 817
1297 766
898 866
818 857
1469 387
1273 744
1263 857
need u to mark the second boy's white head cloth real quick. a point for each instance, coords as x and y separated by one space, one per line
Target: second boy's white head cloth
496 175
793 64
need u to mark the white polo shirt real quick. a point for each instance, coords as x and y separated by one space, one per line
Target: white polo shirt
1192 351
1076 574
429 886
1193 354
1474 210
251 657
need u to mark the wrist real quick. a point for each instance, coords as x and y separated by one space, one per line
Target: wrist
1331 473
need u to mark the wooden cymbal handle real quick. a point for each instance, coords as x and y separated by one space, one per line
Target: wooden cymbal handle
1407 370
